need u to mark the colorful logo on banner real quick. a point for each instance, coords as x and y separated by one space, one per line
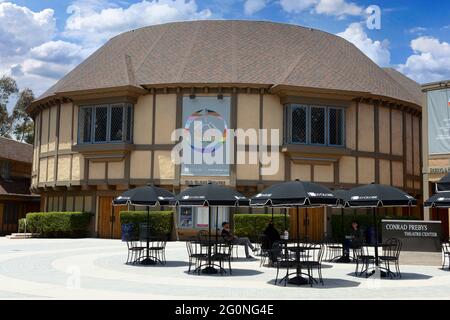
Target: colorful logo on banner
449 103
210 120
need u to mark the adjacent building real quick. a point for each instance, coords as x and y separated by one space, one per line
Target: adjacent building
106 126
16 199
436 145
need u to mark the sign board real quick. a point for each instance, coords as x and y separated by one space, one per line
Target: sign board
200 114
438 102
415 235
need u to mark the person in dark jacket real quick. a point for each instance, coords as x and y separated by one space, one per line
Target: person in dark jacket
231 238
354 240
271 234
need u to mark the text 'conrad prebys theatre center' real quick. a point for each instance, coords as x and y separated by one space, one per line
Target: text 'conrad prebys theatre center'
108 125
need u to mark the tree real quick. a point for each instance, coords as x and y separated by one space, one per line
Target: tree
24 128
8 87
19 123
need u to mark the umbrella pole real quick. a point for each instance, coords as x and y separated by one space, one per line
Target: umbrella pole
209 236
298 228
217 225
376 234
306 224
148 232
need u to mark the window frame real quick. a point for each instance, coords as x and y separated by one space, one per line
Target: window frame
127 109
289 108
342 128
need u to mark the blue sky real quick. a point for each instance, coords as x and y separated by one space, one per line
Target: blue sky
42 40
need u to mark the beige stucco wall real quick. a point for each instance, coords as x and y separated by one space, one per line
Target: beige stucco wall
140 164
65 128
63 168
51 169
44 133
409 142
164 168
52 128
384 130
366 172
397 174
350 127
347 170
248 171
273 114
43 170
96 170
300 171
323 173
248 111
116 169
279 175
385 172
366 127
416 141
165 118
77 167
397 132
143 118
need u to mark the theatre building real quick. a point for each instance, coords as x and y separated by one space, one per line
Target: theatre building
106 126
436 132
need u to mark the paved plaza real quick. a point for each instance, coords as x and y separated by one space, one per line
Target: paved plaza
95 269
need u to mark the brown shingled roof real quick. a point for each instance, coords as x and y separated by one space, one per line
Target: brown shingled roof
230 51
15 150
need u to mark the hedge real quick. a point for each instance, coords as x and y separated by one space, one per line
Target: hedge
365 221
58 224
161 222
22 225
252 225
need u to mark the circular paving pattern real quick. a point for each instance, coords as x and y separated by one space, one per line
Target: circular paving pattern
96 269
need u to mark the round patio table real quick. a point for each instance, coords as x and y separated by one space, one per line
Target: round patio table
298 250
149 259
209 267
384 273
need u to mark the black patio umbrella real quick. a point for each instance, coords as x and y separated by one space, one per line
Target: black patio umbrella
148 196
295 194
443 185
211 195
439 200
378 196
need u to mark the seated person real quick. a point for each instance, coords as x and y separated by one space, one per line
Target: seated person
272 235
231 238
354 240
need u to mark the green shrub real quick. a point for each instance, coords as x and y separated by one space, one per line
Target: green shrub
252 225
59 224
365 221
161 222
22 225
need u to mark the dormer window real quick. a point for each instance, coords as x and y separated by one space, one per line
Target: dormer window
314 125
105 123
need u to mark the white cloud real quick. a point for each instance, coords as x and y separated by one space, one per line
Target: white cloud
97 21
253 6
376 50
58 51
21 28
297 6
430 61
339 8
418 30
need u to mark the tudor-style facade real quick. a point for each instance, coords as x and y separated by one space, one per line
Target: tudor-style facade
94 142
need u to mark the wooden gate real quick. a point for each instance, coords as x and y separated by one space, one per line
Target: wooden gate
311 223
109 221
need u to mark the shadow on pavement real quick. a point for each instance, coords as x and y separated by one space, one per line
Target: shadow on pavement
329 283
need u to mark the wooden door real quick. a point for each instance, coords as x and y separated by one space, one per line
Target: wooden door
109 221
310 223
